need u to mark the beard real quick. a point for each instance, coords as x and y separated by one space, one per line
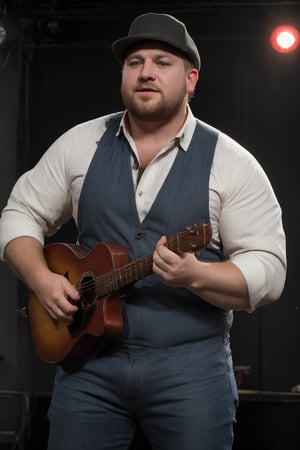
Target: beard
150 111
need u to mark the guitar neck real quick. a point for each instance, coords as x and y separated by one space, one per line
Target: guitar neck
124 276
188 240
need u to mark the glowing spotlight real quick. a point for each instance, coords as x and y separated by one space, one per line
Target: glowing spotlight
285 39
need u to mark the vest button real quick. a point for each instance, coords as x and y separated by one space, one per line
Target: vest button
139 236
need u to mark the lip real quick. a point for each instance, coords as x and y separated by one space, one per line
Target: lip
146 89
146 92
146 95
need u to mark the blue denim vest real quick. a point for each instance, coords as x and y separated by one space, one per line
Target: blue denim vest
155 315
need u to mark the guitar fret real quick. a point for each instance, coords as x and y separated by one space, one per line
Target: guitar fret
115 280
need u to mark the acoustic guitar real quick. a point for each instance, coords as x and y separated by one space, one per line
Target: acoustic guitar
102 276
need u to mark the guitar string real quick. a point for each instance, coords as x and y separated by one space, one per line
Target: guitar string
126 272
119 282
111 278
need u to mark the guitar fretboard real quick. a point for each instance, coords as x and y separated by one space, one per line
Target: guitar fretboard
123 276
190 239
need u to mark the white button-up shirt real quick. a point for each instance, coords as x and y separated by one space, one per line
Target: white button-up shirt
244 212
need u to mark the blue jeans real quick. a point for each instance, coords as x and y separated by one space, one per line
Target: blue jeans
184 398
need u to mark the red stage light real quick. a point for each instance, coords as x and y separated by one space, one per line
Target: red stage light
285 39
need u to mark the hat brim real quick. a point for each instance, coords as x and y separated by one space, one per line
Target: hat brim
121 47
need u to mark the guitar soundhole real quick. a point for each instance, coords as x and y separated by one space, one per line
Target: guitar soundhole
87 290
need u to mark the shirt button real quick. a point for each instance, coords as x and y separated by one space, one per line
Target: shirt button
140 193
139 236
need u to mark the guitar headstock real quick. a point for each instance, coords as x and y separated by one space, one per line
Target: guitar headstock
191 238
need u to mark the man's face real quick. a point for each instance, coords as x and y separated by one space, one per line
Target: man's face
156 81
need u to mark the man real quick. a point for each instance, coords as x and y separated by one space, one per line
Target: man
133 178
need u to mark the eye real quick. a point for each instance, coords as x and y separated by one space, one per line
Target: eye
163 63
134 62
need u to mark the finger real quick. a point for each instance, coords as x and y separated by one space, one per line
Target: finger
167 256
160 266
162 242
70 291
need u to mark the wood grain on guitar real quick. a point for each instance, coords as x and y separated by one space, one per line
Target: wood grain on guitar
101 277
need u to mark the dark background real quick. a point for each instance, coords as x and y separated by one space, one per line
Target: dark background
57 70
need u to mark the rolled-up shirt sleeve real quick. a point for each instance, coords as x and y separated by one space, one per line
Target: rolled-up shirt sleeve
39 202
247 221
46 197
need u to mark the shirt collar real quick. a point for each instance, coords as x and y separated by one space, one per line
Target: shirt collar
184 135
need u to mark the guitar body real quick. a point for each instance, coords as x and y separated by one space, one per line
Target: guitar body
55 341
100 277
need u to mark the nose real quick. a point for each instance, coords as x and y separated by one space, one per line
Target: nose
147 71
